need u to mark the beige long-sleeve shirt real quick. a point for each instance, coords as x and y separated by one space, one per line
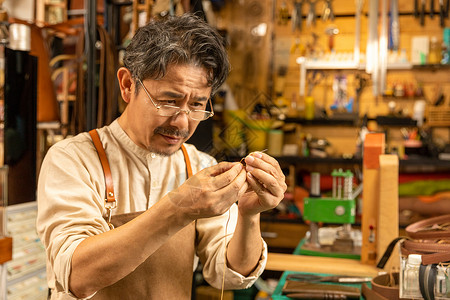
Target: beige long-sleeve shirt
71 191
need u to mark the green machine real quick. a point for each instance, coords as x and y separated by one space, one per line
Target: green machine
338 211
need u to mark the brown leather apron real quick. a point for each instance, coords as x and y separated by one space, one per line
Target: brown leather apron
166 274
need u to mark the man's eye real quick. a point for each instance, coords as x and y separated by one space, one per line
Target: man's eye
198 105
167 102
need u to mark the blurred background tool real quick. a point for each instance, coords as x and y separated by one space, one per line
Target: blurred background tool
297 15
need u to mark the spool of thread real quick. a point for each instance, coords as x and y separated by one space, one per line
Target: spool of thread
275 142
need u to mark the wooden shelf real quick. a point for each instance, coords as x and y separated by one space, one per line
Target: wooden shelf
323 121
428 161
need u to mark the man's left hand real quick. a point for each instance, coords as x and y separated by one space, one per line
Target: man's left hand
267 184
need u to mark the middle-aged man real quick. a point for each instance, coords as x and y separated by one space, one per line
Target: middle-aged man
171 70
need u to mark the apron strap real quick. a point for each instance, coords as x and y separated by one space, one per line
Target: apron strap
187 160
110 198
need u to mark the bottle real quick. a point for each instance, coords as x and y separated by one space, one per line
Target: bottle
435 54
309 108
410 286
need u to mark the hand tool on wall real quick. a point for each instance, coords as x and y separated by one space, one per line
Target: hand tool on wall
356 51
331 31
441 13
447 6
311 18
416 9
383 46
431 9
328 13
372 45
361 82
297 15
394 37
314 78
422 12
283 14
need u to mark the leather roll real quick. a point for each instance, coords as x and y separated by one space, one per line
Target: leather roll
382 284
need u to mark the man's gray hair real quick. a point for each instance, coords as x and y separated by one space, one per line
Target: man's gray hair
185 39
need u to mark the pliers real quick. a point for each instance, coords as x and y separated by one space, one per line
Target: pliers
311 18
328 11
297 15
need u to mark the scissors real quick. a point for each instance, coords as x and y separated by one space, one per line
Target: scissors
314 78
311 278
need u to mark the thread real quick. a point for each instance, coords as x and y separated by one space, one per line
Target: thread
225 258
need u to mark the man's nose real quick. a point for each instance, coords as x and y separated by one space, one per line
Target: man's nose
181 119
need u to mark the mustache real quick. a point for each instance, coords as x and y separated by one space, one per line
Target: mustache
172 131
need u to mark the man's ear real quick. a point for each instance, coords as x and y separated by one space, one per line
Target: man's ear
126 83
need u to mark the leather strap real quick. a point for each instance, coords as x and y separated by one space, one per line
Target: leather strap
188 161
110 198
370 294
430 229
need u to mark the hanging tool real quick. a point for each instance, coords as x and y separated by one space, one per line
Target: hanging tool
297 15
331 31
283 14
431 9
361 82
314 78
383 46
372 45
416 9
356 51
422 12
328 11
447 7
441 13
394 37
311 18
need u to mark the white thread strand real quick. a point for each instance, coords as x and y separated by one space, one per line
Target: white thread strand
225 258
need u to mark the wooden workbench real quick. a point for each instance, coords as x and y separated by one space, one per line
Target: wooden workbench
314 264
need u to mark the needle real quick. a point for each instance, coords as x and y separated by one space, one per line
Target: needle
242 161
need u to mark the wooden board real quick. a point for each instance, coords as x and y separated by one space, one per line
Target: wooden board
314 264
373 148
388 223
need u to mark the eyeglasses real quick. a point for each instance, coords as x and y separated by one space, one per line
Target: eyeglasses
166 110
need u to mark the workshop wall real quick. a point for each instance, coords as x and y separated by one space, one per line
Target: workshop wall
268 64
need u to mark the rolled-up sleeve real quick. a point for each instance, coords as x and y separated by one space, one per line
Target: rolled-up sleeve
69 210
211 249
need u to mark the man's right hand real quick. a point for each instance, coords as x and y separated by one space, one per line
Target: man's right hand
211 191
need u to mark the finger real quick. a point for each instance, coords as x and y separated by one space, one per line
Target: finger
224 177
244 186
256 161
265 157
255 184
270 183
218 169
